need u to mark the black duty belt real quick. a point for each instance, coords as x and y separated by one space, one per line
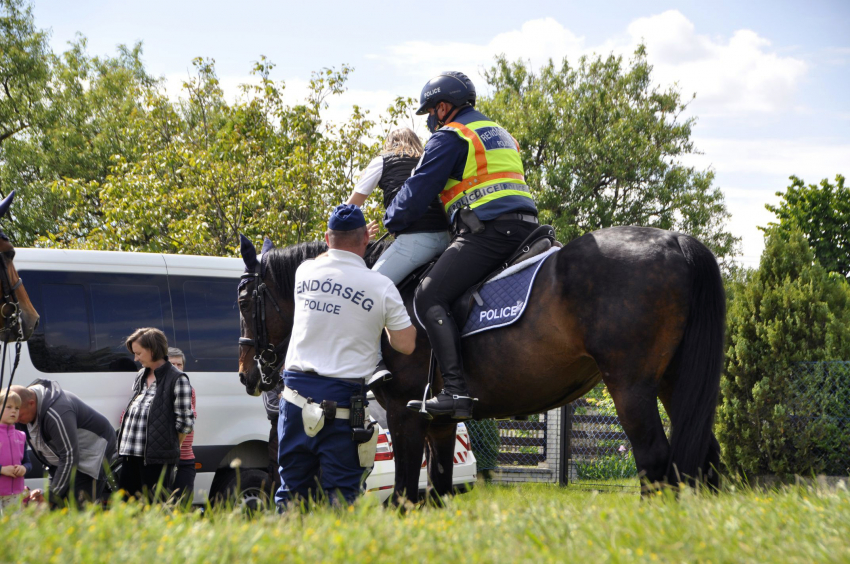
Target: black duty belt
517 216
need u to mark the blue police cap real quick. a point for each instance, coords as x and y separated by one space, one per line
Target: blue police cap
346 217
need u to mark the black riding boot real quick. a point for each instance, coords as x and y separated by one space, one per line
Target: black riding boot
454 399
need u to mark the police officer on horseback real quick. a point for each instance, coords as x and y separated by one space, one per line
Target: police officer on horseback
474 166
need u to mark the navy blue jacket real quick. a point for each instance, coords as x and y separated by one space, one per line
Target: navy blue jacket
444 158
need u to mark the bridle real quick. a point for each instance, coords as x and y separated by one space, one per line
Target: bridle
10 312
269 358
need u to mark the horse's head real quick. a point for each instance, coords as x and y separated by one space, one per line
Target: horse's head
17 314
265 322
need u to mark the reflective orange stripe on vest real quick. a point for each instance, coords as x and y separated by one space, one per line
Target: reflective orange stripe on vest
447 196
480 153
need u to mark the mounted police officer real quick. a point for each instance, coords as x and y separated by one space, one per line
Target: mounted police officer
341 307
475 168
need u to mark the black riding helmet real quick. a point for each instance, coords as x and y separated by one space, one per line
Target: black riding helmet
451 86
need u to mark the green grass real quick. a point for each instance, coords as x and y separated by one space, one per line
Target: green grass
529 523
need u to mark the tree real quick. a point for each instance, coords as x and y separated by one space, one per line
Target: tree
602 147
203 170
789 310
822 214
80 120
24 69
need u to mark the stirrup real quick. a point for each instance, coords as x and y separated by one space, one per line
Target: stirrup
419 405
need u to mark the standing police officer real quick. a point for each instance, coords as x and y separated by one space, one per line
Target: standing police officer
475 168
341 307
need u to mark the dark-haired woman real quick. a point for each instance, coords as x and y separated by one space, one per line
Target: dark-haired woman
157 419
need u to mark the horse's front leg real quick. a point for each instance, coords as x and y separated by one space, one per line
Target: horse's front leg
407 430
440 452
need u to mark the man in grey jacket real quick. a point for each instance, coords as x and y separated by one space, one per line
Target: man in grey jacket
69 437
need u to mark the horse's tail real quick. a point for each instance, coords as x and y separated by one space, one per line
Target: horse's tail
699 367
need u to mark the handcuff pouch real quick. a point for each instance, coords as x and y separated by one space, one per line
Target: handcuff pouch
313 417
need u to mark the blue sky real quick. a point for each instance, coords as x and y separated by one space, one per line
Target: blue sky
772 78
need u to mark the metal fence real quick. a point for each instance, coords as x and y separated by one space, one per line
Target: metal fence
818 409
532 450
817 400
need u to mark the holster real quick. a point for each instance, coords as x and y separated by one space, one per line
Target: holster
467 222
366 450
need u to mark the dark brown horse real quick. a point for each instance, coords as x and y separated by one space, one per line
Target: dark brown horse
641 309
18 318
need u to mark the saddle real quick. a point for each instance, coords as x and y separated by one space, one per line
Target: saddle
538 242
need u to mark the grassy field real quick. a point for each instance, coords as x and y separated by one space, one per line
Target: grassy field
530 523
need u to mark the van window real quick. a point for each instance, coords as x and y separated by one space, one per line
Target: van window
212 318
206 322
63 315
120 309
87 315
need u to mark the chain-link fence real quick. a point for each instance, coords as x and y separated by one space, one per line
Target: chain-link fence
818 410
531 450
818 405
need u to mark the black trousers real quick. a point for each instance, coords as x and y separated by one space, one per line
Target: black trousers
184 480
469 258
84 489
141 480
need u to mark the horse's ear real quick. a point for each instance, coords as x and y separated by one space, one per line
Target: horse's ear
248 251
4 205
267 246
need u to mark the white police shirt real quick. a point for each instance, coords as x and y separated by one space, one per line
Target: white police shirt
341 307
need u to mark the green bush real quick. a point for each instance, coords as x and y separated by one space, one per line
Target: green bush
788 311
612 467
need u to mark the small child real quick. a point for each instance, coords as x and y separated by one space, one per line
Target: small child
14 462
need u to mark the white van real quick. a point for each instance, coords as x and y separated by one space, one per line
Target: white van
90 301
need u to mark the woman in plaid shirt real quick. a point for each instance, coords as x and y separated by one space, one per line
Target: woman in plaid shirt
157 419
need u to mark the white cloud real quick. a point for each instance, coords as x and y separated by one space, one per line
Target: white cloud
730 75
751 171
535 40
737 75
810 159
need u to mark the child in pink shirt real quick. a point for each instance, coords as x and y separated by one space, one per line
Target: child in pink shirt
14 462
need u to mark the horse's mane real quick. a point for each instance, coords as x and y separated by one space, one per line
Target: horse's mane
282 263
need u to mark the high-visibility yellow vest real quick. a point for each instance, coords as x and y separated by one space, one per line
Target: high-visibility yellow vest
493 166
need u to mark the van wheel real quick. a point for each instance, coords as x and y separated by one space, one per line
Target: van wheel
252 485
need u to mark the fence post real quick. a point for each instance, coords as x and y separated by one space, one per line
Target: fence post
564 454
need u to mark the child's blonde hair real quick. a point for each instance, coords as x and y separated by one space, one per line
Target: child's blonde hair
403 142
13 399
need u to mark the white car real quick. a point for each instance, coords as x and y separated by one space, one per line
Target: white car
382 479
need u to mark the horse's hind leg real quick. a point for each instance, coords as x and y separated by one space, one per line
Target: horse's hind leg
711 466
439 452
637 409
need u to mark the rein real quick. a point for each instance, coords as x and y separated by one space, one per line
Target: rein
269 358
10 311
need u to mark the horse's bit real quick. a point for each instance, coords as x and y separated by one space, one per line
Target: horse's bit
269 358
